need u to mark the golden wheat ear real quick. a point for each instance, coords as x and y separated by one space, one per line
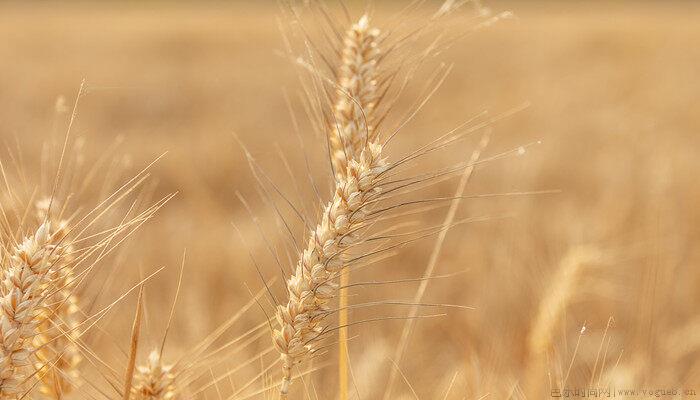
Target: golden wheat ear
25 281
154 380
366 188
349 132
357 93
43 321
312 286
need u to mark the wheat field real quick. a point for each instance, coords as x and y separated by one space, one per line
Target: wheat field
194 170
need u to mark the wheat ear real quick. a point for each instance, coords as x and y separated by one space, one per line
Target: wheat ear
60 333
154 381
58 355
558 297
312 286
356 95
22 306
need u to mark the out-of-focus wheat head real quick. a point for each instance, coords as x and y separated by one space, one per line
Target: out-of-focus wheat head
155 380
562 289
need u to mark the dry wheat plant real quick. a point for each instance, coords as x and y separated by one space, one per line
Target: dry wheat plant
362 236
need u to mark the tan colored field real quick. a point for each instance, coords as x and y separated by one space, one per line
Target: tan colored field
613 94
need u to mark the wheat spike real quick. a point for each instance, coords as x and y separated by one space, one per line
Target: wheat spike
155 380
356 95
312 285
22 306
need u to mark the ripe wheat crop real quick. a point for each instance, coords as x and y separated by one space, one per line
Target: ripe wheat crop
365 201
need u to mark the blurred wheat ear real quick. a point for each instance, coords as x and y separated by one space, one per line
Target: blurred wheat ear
552 306
56 343
154 380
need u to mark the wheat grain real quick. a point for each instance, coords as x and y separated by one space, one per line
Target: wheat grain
356 94
312 286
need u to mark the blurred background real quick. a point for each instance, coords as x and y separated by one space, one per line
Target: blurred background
613 94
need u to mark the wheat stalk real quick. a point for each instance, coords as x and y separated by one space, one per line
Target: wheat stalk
22 305
356 95
312 286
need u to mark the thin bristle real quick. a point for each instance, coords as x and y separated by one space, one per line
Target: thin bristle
133 348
